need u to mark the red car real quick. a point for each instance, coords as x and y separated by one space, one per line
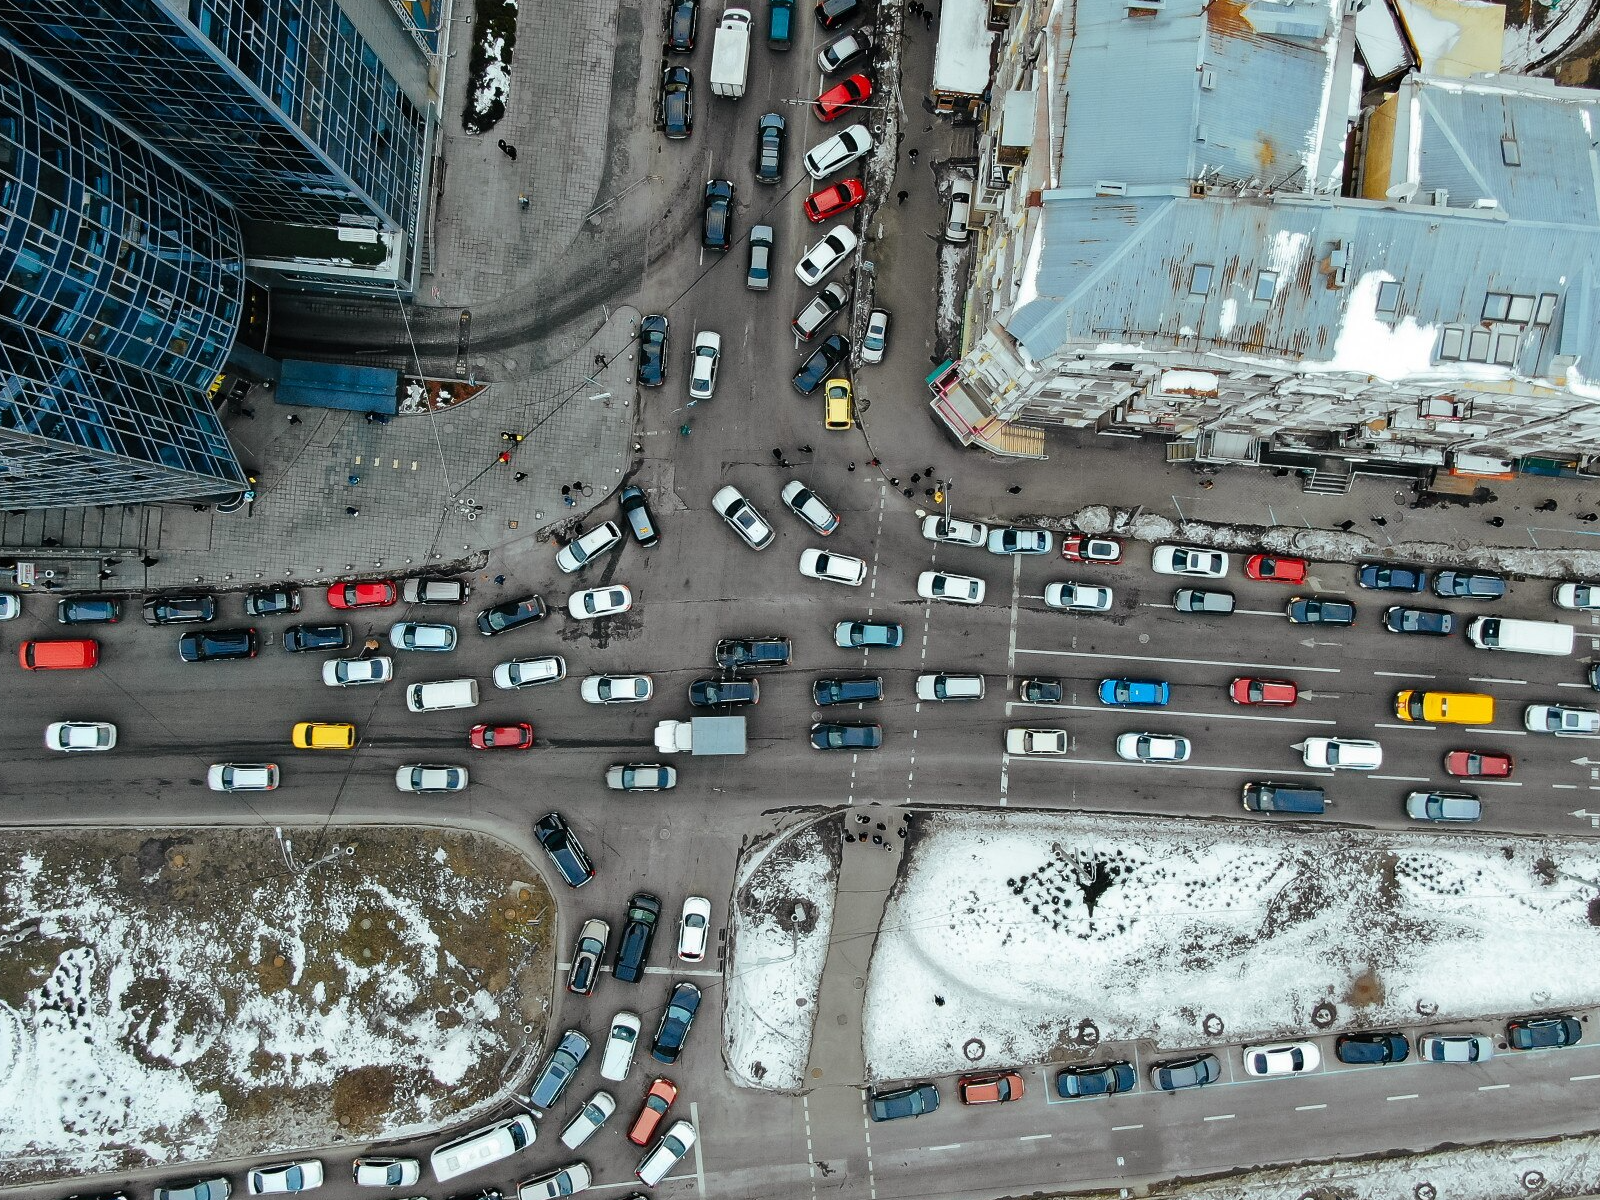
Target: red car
501 737
1477 764
375 593
835 199
836 101
1263 691
1083 547
1266 569
990 1089
656 1102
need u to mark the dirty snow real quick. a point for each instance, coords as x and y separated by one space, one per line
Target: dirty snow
775 960
1039 933
1523 43
495 82
965 46
947 317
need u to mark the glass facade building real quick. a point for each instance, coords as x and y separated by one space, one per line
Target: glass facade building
121 282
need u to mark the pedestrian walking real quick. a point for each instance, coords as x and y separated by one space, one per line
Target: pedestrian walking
1589 518
913 156
507 436
577 485
928 471
522 201
249 412
519 477
105 574
505 457
1015 489
1347 526
1497 521
352 511
894 482
1380 520
900 197
370 417
352 480
908 493
927 19
784 462
600 361
566 489
777 454
872 462
293 419
507 149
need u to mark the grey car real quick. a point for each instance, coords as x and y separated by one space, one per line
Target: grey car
758 276
913 1101
1177 1074
1443 806
769 148
636 511
1200 600
1469 585
558 1071
201 1189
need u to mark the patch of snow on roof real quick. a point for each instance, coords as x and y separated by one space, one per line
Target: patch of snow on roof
1312 150
1369 346
961 59
1189 383
1289 248
1028 277
1432 35
1228 318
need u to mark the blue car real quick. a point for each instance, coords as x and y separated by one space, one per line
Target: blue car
558 1070
1135 693
1384 578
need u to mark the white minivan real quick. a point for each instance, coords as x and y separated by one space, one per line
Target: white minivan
498 1141
442 694
958 212
949 687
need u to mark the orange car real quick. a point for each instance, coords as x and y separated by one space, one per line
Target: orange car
656 1102
991 1089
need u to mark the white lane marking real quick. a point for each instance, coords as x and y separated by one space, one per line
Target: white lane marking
950 1146
1492 679
1565 787
1401 778
1120 1128
699 1162
1242 612
1308 1107
1500 783
1183 712
1221 1117
1407 1096
1265 772
1194 662
1584 686
1404 675
1402 726
1034 1137
1580 1078
1493 1087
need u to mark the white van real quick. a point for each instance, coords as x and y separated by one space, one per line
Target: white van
442 694
1524 637
958 212
498 1141
949 687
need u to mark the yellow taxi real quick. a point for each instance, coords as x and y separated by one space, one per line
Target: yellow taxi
324 735
838 408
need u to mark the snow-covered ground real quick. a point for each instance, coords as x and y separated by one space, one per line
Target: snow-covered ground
781 917
1523 44
1038 934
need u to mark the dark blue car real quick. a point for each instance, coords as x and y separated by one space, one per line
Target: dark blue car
780 24
564 849
1384 578
1419 620
828 735
682 21
1373 1047
675 1022
558 1070
833 351
847 691
1101 1079
911 1101
653 351
1470 585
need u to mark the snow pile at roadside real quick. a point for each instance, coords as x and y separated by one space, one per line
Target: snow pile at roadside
782 915
1037 934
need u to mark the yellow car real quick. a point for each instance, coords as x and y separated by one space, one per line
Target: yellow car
322 735
838 409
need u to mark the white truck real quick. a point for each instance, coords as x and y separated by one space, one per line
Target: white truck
701 735
730 55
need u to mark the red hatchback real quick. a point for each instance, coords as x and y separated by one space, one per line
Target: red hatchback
375 593
1477 764
1263 691
501 737
656 1102
1266 569
836 101
833 200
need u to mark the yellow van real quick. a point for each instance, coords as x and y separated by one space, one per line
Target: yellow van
1445 708
322 735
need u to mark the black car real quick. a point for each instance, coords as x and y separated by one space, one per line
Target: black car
834 735
1178 1073
911 1101
513 614
675 1023
716 215
683 18
677 102
1042 690
831 14
636 511
653 351
705 693
180 610
753 652
1419 620
1469 585
269 602
88 610
859 690
1384 578
214 644
298 638
564 849
1313 610
834 350
633 950
1541 1033
769 148
1376 1047
1102 1079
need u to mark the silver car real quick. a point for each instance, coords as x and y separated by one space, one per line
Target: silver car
758 277
417 635
1455 1048
353 672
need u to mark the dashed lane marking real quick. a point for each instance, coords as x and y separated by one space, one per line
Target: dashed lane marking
1309 1107
1221 1117
1194 662
1407 1096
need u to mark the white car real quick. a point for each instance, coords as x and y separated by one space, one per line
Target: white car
666 1153
415 635
1289 1058
694 928
810 507
621 1043
616 689
1078 597
284 1178
599 602
1036 741
641 777
876 339
703 364
1341 754
1152 747
596 1111
353 672
955 532
10 606
530 672
1455 1048
583 549
1189 560
74 736
570 1179
1010 540
832 568
1561 719
242 777
1581 597
827 254
386 1172
842 149
958 589
738 512
424 779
